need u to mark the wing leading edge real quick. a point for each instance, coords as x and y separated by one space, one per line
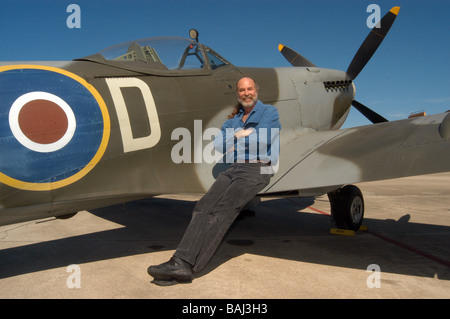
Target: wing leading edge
318 162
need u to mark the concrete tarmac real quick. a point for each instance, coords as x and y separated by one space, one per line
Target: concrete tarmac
285 251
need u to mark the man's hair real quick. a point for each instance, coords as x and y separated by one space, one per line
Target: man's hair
238 106
235 111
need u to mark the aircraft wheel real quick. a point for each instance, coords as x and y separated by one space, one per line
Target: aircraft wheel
347 207
66 216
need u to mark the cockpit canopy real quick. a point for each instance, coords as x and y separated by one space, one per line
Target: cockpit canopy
171 53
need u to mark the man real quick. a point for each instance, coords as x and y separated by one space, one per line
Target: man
250 139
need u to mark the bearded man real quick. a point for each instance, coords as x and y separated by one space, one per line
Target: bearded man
250 139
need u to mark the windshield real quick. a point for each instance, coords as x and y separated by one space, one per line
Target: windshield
172 52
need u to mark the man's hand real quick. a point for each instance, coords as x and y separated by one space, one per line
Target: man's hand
243 133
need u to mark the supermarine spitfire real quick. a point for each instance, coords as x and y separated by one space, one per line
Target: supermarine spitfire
137 120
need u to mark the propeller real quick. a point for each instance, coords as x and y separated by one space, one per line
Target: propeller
293 57
362 56
371 43
368 113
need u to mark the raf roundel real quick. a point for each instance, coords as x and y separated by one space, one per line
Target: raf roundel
42 122
54 127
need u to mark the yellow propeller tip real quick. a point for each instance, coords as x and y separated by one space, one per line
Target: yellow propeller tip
395 10
280 47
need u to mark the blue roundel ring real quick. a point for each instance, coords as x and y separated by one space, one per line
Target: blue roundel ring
54 127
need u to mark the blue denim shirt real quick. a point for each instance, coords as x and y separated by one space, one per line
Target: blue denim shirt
263 144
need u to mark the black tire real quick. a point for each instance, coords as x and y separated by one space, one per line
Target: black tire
347 207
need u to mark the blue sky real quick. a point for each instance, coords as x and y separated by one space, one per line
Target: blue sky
408 73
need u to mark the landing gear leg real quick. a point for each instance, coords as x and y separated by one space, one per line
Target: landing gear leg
347 207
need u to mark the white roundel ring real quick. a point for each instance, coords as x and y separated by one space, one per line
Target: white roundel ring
34 110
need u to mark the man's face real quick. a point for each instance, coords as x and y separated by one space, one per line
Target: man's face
247 93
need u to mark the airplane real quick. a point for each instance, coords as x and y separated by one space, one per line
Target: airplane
137 120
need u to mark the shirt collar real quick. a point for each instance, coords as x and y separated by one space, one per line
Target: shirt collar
254 110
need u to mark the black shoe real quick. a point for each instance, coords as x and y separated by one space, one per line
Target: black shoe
171 272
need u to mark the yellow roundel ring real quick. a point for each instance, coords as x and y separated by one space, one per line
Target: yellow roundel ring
65 142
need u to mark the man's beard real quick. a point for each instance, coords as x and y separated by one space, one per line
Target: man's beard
249 103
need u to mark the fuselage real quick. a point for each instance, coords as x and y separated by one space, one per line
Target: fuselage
117 130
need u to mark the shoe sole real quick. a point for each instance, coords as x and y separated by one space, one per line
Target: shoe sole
170 282
169 278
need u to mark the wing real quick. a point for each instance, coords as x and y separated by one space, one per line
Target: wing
318 162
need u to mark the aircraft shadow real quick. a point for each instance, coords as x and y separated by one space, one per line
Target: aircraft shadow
277 230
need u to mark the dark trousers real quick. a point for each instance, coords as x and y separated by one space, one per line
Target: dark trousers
217 209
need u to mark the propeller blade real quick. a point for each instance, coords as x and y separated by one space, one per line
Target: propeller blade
293 57
371 43
368 113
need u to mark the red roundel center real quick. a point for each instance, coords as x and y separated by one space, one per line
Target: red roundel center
43 121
